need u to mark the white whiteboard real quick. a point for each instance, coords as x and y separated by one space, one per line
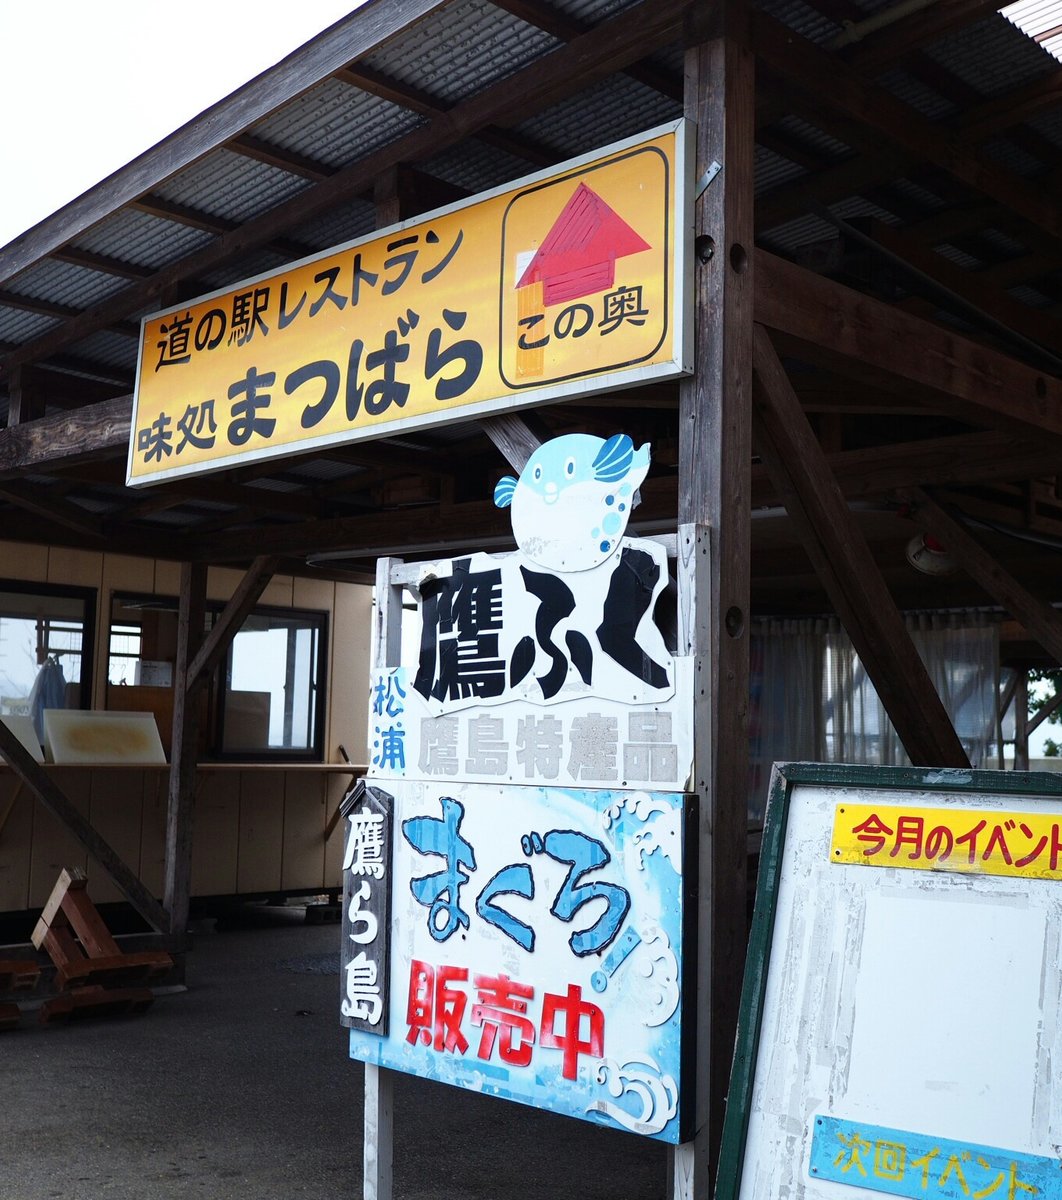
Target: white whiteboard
911 999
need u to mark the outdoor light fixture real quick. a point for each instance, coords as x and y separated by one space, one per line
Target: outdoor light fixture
929 556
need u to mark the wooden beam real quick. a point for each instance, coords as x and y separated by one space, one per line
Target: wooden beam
48 792
713 463
180 806
70 437
45 503
846 567
855 332
1027 322
636 32
967 458
235 612
1038 617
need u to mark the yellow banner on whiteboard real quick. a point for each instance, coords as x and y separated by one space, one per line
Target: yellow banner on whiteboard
974 841
570 281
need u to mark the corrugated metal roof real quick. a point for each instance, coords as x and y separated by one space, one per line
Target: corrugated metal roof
773 170
815 139
621 106
336 124
918 194
461 49
991 56
1008 154
477 167
141 239
918 95
355 219
108 349
1040 20
957 256
1029 295
231 186
79 286
804 19
17 325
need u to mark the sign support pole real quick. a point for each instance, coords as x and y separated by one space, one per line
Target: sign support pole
378 1141
714 482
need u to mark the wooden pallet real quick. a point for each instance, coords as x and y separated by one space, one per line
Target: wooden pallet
88 960
95 1002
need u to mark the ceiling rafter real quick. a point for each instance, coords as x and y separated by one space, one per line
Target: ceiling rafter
908 136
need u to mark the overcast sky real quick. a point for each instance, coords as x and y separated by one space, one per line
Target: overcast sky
86 85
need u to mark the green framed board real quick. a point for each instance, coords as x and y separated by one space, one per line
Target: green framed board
902 1001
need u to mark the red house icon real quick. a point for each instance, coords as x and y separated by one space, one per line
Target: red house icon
578 255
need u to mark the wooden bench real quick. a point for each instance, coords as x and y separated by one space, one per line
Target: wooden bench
88 960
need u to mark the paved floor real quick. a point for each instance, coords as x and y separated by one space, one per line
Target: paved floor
241 1087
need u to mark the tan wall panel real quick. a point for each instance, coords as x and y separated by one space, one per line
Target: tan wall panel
278 592
222 582
15 838
215 834
78 568
313 593
167 578
153 831
351 642
261 840
19 560
116 812
53 848
304 822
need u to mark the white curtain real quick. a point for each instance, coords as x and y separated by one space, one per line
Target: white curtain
812 700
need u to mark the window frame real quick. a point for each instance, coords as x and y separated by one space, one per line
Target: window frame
88 597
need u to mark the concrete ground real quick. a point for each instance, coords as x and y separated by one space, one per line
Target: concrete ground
241 1088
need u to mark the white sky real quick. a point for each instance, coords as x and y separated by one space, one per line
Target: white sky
87 85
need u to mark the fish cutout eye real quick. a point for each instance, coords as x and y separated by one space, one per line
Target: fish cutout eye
503 493
536 474
569 467
614 459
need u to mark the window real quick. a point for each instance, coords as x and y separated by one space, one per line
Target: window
267 699
45 649
273 698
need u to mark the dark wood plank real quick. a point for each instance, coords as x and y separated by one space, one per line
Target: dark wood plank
846 567
67 438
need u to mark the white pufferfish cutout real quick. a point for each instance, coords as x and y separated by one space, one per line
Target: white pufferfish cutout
573 499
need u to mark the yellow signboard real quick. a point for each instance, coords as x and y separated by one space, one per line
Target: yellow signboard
570 281
1027 844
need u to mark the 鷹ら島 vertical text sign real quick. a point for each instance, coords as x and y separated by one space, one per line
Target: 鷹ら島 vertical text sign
570 281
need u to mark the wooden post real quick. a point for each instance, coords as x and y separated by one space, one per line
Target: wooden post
714 481
1021 721
177 889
